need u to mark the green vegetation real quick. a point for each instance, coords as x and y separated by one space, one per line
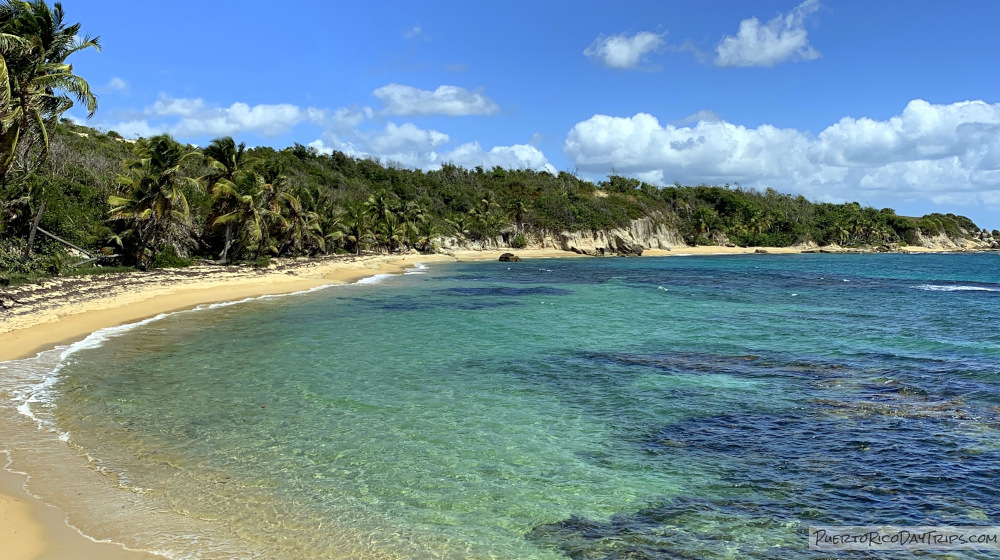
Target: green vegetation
158 203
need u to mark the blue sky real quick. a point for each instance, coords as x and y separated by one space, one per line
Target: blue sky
885 103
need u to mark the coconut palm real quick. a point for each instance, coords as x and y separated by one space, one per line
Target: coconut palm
462 224
391 232
151 197
301 232
271 193
411 214
333 226
379 205
227 161
36 84
358 226
426 232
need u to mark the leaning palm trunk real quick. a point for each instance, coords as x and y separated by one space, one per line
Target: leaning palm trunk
34 230
227 243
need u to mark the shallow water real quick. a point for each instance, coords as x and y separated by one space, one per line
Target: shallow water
585 408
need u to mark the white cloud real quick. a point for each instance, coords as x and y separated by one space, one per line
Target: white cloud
186 118
782 39
167 106
268 120
336 144
518 156
117 84
135 129
623 51
345 119
703 115
406 138
927 151
413 147
445 100
413 32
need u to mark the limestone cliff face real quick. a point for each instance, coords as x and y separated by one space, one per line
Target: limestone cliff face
971 241
643 233
652 232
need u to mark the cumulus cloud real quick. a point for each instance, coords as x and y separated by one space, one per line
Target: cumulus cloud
703 115
624 51
167 106
411 146
136 129
923 152
117 84
344 118
186 118
406 138
445 100
781 39
518 156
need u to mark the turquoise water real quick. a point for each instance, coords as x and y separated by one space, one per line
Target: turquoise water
582 408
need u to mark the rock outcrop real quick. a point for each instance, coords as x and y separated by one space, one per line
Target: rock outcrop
643 233
653 232
509 257
971 241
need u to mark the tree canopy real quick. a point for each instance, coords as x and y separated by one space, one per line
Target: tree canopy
157 202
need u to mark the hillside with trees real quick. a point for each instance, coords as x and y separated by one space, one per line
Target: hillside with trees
72 194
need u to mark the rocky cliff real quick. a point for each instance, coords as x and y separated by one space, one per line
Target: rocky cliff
643 233
968 241
654 233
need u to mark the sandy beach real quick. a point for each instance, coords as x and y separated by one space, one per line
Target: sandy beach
64 310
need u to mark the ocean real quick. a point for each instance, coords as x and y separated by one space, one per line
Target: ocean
680 407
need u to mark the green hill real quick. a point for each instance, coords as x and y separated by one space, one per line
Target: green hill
158 203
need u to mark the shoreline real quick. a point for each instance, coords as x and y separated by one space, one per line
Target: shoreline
72 308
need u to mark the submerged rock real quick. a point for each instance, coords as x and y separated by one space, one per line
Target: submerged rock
509 257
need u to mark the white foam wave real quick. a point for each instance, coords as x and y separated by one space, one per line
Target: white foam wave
31 396
38 392
418 268
97 338
939 288
260 298
378 278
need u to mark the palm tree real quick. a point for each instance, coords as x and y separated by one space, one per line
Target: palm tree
10 46
391 232
151 195
332 226
227 161
704 219
271 195
378 205
35 81
518 207
357 226
462 224
426 233
412 214
301 232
